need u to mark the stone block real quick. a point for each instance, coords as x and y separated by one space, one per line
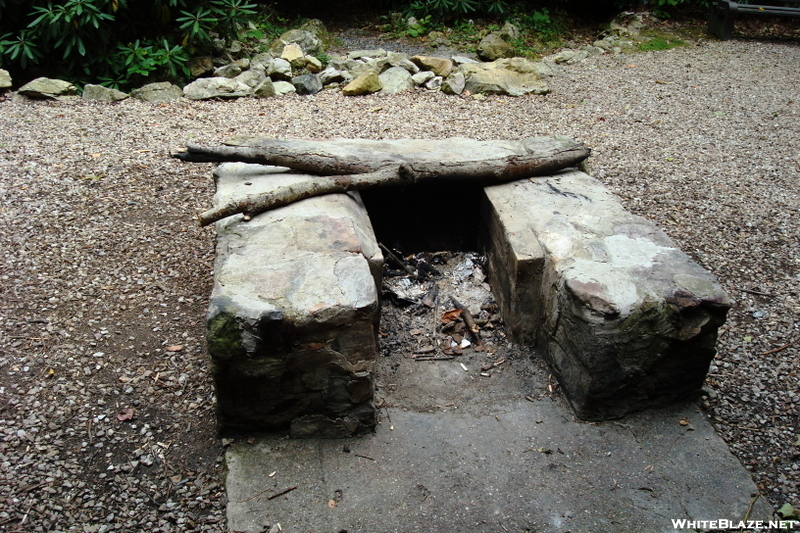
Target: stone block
293 318
624 318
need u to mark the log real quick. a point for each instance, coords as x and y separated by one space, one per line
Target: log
355 164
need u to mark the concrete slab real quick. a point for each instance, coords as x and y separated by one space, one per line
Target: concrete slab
459 452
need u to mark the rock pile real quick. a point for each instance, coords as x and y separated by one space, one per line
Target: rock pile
293 64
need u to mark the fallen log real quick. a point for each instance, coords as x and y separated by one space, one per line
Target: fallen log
355 164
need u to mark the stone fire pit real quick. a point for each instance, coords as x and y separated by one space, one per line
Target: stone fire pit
624 318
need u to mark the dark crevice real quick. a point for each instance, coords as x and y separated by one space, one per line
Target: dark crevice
430 217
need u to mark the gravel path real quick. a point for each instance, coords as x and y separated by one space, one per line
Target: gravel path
106 407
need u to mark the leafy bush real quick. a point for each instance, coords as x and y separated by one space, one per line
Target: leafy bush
541 24
118 42
665 8
454 9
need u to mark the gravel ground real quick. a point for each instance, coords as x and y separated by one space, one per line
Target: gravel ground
106 407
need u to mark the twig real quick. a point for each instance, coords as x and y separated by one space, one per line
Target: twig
472 327
433 358
408 268
750 509
363 456
776 350
490 366
281 493
739 427
749 291
256 495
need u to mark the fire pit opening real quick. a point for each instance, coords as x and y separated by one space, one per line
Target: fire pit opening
433 218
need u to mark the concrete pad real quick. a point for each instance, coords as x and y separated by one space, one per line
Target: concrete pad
460 452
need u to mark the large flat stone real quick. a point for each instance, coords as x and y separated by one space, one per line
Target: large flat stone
292 322
624 318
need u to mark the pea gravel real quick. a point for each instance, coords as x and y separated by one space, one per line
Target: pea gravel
106 407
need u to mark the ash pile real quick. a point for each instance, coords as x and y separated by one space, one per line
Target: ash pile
442 338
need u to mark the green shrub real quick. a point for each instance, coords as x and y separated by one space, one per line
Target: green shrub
540 24
116 42
455 9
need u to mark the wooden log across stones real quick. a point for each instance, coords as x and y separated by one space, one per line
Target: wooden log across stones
355 164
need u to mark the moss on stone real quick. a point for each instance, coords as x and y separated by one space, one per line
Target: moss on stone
224 336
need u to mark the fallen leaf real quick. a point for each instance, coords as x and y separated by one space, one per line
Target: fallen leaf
126 414
683 422
546 451
175 348
451 316
788 511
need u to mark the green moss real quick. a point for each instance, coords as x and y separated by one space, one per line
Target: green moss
224 336
659 43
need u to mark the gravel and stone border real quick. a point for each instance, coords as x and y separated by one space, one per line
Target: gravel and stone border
106 404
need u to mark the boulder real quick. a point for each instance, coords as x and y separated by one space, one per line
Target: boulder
461 60
309 43
283 87
331 75
438 65
395 80
514 77
454 84
261 60
570 57
434 83
208 88
159 92
367 83
316 27
279 69
234 48
231 70
422 77
562 56
47 88
252 78
312 64
293 54
510 31
307 84
398 59
200 66
495 46
546 69
438 39
5 79
367 54
265 89
102 94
